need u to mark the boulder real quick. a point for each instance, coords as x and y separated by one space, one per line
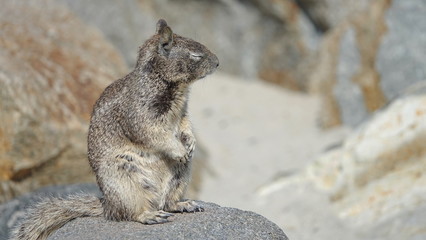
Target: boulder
52 69
368 60
214 223
376 178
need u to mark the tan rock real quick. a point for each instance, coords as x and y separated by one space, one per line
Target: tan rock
369 59
378 173
346 71
52 69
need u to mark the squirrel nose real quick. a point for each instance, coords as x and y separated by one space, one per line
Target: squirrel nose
216 60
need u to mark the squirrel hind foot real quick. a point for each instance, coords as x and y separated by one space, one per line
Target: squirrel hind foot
186 206
154 217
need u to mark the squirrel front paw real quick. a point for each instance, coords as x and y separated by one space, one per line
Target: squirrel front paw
183 150
180 154
188 141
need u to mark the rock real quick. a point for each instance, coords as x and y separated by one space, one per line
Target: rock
327 14
377 178
214 223
406 225
286 59
11 212
400 60
249 36
52 69
361 68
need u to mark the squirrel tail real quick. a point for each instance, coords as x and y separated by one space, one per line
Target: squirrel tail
52 213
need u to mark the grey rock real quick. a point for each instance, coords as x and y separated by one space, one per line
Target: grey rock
127 24
11 212
326 14
401 58
214 223
310 37
374 57
52 69
348 94
243 35
123 23
336 11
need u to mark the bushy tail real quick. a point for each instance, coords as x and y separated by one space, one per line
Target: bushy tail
52 213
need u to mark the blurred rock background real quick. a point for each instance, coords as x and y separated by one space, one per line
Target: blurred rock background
316 119
52 69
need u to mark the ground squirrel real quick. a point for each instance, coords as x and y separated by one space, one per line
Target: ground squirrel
140 141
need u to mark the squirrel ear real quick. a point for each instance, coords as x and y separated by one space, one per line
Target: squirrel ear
160 25
166 36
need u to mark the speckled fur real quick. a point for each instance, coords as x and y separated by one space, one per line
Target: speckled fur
140 142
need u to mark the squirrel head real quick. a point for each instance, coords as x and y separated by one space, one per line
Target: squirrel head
174 58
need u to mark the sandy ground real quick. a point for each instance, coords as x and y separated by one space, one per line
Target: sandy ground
260 138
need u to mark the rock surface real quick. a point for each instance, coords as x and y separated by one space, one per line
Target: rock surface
377 177
52 69
370 59
327 14
214 223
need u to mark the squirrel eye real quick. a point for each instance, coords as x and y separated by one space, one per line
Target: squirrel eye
196 56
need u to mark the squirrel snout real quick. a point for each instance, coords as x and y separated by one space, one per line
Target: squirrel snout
215 60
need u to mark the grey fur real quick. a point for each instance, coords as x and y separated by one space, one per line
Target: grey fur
140 142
